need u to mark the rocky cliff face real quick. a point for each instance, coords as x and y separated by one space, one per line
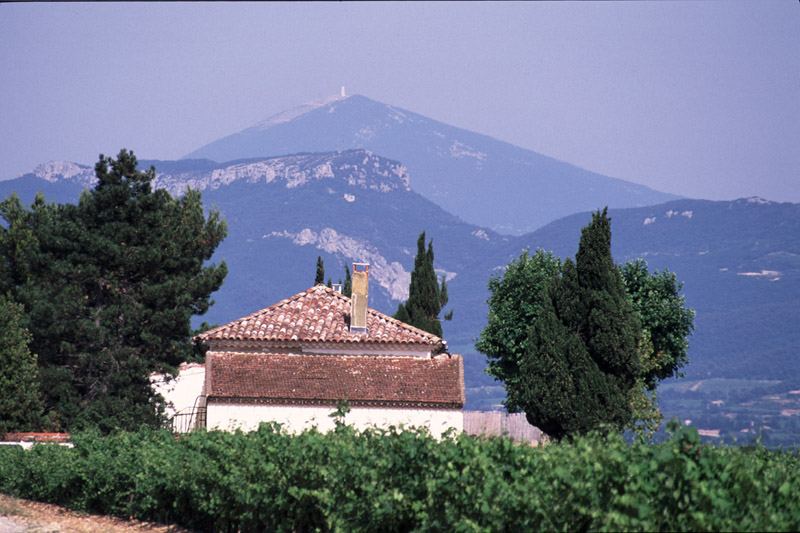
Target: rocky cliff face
360 169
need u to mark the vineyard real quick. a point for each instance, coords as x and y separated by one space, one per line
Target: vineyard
401 481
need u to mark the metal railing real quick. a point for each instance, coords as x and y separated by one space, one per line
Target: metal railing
187 421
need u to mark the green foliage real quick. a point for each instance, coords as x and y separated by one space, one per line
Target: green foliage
426 297
199 348
319 279
402 314
603 316
663 314
582 359
20 398
515 302
575 343
109 287
377 480
342 408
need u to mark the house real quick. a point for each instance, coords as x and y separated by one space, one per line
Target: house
294 361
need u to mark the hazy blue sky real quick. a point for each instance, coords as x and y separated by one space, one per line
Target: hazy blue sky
700 99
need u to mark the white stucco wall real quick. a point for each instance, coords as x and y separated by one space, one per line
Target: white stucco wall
298 418
181 392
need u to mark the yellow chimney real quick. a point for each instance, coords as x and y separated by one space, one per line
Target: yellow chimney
359 298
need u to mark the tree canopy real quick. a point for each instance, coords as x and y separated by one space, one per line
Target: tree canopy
574 342
515 303
109 286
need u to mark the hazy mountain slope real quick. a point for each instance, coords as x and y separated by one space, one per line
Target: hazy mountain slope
482 180
738 260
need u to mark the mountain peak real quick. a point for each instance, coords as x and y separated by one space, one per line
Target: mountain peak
291 114
484 180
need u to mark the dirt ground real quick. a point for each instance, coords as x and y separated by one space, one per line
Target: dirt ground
24 516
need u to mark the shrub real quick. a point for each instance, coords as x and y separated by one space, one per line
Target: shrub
391 480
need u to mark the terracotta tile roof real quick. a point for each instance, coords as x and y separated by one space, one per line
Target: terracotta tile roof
379 380
318 314
36 437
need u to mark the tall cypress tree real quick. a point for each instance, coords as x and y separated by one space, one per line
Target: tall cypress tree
582 359
609 326
319 279
575 347
347 290
426 296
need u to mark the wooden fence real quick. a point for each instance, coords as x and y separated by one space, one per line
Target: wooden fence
497 423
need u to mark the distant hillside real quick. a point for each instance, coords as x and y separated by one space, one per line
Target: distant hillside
739 260
478 178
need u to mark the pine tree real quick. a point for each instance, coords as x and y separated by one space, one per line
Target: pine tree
20 400
109 287
425 296
319 279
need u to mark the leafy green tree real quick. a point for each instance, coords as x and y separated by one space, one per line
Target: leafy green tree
574 342
426 296
666 326
656 298
515 302
109 287
319 279
20 397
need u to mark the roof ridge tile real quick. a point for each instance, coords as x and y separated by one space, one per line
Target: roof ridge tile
318 313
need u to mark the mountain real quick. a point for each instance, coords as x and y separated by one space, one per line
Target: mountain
480 179
739 262
284 211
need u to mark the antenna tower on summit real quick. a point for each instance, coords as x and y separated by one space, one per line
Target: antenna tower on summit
343 95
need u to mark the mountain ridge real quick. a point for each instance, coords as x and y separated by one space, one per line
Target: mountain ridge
483 180
202 174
